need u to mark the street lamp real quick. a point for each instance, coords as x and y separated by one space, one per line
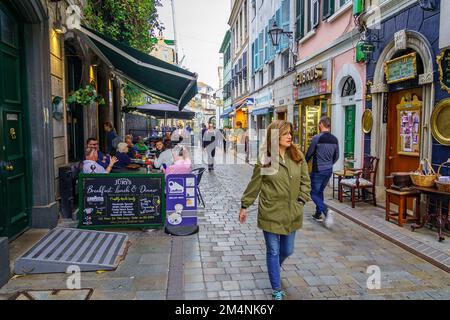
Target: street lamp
276 33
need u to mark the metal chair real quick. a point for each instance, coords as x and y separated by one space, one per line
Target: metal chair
198 172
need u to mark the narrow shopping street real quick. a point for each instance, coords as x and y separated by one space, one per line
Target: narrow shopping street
226 259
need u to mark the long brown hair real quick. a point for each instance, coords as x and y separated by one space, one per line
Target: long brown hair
283 127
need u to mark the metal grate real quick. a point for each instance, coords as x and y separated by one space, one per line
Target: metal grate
64 247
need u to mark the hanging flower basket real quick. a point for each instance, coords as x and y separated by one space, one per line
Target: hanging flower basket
85 96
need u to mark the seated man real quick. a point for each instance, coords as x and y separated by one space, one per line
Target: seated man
91 165
132 150
159 145
122 155
103 160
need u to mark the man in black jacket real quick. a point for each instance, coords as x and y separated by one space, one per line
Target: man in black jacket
324 150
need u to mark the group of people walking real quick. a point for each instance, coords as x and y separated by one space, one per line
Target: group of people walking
284 185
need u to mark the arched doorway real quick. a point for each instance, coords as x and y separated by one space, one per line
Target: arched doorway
386 99
349 91
348 104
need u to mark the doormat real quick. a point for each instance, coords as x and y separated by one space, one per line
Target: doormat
57 294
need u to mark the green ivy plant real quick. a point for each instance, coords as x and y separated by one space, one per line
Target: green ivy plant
86 96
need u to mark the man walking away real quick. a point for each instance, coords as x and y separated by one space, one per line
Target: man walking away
324 150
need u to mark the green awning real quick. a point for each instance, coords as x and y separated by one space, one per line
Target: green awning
166 81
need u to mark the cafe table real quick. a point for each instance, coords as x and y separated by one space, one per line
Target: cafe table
442 219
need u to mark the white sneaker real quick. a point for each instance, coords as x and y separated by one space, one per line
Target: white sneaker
329 221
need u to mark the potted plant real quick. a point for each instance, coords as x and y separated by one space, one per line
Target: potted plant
86 96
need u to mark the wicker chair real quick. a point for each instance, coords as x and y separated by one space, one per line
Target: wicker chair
364 179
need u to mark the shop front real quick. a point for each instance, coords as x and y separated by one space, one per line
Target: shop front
262 109
404 94
282 91
312 94
348 107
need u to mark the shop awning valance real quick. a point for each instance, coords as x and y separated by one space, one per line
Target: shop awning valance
261 111
226 112
165 111
166 81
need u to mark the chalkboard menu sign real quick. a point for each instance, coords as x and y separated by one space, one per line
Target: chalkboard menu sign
444 69
121 200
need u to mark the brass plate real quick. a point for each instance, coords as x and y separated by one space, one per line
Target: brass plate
367 121
440 122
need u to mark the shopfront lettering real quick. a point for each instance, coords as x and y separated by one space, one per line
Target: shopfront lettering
309 75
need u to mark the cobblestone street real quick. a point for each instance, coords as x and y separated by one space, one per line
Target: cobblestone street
226 260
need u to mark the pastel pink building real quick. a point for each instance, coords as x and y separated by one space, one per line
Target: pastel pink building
328 80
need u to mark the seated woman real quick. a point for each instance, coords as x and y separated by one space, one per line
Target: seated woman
122 155
132 150
90 165
165 157
182 162
141 146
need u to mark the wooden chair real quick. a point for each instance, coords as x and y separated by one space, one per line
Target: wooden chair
364 179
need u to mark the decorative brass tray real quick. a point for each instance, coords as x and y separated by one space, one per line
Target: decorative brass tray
440 122
367 121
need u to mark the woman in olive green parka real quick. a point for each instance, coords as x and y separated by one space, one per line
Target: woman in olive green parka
282 182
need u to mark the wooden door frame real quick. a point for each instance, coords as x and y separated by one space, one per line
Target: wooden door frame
26 128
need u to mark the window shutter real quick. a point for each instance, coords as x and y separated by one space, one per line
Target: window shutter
266 45
271 47
253 57
285 17
261 49
279 24
328 9
315 13
300 19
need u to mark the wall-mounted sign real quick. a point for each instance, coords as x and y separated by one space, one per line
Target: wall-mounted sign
309 75
313 81
401 69
443 61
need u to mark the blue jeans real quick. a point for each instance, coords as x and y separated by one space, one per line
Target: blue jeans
278 247
319 181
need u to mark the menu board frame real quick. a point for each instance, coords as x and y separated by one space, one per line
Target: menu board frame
409 127
81 201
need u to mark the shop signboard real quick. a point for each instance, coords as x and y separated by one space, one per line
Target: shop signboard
121 200
401 69
443 61
313 81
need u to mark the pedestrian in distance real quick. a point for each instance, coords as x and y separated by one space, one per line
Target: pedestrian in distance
281 180
209 144
324 151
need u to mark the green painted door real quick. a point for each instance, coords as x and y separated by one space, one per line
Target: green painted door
14 213
349 139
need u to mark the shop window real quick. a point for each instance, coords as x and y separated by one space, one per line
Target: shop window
349 88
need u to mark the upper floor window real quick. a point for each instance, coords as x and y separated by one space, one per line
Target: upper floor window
307 17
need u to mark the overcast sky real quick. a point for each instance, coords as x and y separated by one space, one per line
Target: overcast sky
201 27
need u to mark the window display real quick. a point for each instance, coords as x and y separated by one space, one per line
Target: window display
408 113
